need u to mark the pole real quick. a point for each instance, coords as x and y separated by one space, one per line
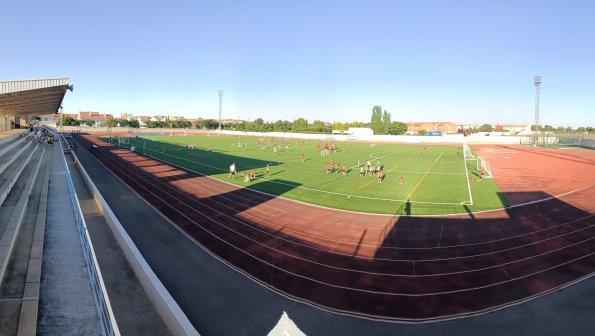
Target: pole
220 108
61 121
537 83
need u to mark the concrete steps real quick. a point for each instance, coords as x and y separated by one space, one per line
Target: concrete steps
26 179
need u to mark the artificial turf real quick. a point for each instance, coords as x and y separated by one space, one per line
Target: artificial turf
435 181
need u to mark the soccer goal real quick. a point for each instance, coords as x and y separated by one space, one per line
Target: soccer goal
467 152
484 165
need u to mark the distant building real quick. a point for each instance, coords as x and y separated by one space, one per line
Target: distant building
446 127
97 117
142 120
513 129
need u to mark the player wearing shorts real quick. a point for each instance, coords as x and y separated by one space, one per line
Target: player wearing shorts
380 176
328 168
344 168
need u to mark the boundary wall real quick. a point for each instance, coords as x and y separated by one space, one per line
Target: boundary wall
445 139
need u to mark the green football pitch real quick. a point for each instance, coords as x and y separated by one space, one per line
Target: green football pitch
436 178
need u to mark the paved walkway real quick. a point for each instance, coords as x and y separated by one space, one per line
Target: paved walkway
66 304
134 312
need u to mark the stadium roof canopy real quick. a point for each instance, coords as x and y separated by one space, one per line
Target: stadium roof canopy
32 97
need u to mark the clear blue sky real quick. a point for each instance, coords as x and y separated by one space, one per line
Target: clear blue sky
463 61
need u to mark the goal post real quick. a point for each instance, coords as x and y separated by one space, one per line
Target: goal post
483 164
467 154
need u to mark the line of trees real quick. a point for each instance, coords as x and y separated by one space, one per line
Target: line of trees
169 124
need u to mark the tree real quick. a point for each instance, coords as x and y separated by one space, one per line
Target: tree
422 132
590 129
339 126
581 130
88 122
68 121
133 123
282 126
486 128
397 128
113 122
536 127
385 123
548 128
299 125
569 130
376 119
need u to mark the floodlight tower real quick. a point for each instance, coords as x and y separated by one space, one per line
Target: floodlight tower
220 108
537 83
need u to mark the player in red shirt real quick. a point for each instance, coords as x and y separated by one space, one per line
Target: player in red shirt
380 176
252 174
344 169
328 168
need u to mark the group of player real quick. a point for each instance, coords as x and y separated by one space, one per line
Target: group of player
326 149
366 169
333 167
248 175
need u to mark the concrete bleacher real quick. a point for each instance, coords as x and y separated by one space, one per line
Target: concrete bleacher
45 285
27 178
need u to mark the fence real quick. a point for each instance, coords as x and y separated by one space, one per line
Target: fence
106 315
558 139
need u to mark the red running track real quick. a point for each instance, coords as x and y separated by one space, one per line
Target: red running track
382 267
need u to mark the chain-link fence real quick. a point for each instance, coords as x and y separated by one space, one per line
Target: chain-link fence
559 139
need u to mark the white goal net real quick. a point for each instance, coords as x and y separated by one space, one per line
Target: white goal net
484 168
467 152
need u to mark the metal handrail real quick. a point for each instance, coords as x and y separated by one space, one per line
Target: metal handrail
107 319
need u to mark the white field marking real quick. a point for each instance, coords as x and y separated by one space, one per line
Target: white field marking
468 184
499 150
423 177
310 189
436 173
385 155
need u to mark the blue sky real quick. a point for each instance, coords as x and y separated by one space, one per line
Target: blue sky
462 61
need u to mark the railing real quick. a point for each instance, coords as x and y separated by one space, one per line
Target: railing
107 320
